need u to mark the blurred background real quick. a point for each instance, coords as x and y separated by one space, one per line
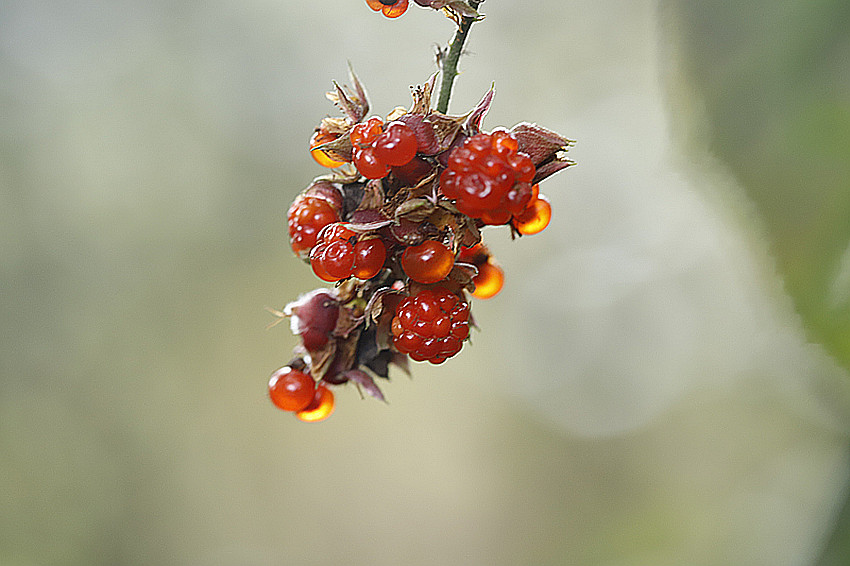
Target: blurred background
660 382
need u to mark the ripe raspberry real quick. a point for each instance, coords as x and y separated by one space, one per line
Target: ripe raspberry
488 178
535 218
429 262
319 137
431 326
319 408
291 390
307 215
390 8
340 254
377 148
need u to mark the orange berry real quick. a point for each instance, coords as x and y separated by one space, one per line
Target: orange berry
535 217
320 408
291 390
489 280
428 262
320 156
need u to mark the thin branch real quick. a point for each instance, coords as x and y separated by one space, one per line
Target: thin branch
449 63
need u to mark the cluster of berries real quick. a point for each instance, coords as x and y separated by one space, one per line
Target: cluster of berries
397 226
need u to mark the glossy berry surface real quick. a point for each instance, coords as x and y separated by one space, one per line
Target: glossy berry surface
488 178
489 280
397 145
377 148
291 389
307 216
428 262
431 326
490 277
390 8
320 156
341 254
320 406
535 218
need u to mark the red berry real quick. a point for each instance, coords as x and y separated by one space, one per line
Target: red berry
369 256
369 165
488 178
431 326
320 406
291 390
429 262
340 254
376 148
363 134
307 216
535 217
397 145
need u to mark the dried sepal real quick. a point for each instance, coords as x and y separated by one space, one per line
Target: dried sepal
334 125
539 143
354 105
462 274
339 149
446 129
344 175
422 96
473 121
551 167
415 210
364 380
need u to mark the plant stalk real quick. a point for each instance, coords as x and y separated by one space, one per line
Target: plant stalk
449 64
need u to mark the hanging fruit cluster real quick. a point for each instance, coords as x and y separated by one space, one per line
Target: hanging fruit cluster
396 225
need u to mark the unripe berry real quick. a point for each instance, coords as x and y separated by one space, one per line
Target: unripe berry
314 316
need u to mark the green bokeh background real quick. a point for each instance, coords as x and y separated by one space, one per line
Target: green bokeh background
650 388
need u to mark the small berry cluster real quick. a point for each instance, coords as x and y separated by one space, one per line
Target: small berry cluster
396 225
376 148
342 254
431 325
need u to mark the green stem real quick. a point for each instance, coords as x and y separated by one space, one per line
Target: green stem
449 64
